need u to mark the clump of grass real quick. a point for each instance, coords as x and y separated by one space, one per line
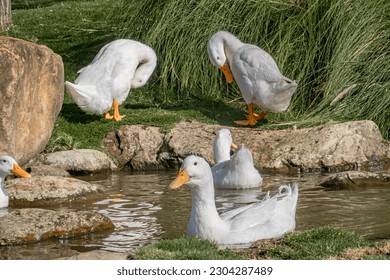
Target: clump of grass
61 141
316 244
184 249
321 243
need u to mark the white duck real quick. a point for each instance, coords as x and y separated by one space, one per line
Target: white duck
105 83
255 72
236 172
270 218
7 166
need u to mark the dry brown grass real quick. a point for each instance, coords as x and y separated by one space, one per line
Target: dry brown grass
361 253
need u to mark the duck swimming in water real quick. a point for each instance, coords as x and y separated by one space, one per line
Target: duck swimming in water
271 217
236 172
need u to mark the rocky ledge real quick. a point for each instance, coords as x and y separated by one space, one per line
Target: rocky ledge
82 161
48 190
33 224
331 147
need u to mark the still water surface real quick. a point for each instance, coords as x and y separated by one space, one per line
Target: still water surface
144 210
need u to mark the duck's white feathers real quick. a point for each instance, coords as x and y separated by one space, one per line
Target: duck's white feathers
260 80
238 172
278 215
270 218
255 71
119 66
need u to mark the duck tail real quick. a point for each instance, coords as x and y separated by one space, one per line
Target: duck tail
287 87
82 95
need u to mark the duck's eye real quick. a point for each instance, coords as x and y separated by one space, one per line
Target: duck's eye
217 57
195 163
4 161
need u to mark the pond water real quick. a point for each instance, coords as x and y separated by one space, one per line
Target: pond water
144 210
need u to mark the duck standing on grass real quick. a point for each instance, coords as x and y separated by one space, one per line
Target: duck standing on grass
255 73
8 166
270 218
105 83
236 172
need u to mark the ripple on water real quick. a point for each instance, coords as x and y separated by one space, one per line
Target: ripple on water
144 210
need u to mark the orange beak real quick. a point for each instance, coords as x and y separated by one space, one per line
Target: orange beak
228 74
17 170
234 146
180 180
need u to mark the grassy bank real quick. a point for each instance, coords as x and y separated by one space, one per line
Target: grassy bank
329 47
316 244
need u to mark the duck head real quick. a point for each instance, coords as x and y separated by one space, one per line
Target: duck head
195 172
9 166
221 47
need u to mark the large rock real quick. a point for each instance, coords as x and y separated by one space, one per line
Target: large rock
33 224
48 190
135 145
78 161
31 96
332 147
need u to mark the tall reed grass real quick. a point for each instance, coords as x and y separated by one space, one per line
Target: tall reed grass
328 46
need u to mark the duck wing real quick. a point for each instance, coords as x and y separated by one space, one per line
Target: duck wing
269 212
260 79
254 64
251 215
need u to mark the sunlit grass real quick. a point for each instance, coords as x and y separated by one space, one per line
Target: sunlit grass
315 244
184 249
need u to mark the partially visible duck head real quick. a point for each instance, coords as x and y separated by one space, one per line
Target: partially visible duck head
8 165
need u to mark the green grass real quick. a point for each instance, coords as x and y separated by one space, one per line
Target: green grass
322 243
316 244
326 45
184 249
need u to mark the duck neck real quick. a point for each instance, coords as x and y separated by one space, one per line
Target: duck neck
3 194
231 45
146 66
203 204
221 149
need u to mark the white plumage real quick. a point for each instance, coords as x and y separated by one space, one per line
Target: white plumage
105 83
270 218
236 172
256 73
